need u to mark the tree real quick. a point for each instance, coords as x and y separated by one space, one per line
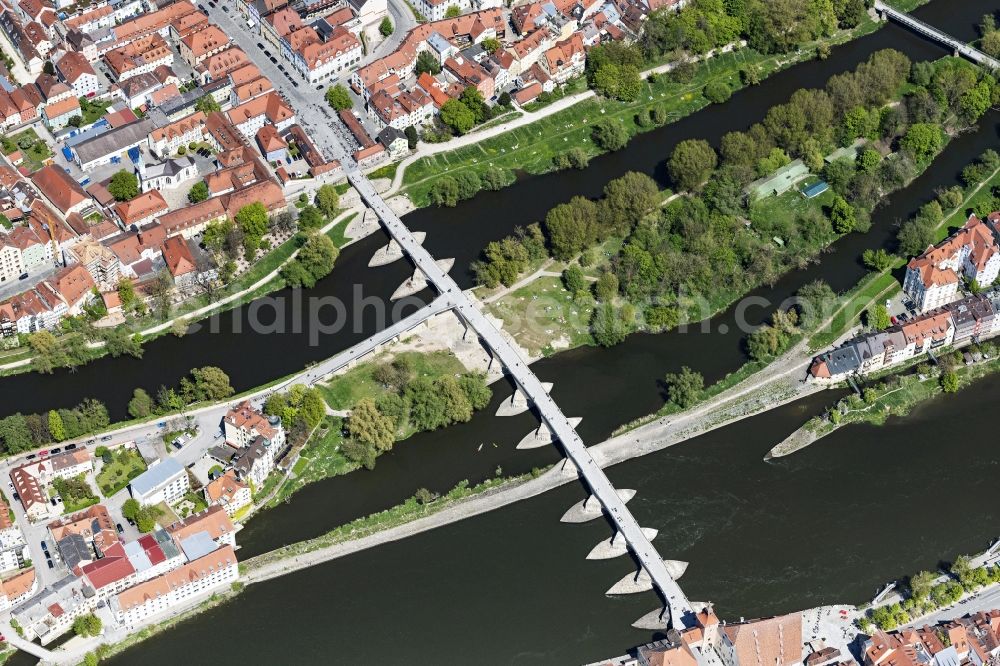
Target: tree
327 200
211 383
607 287
921 584
843 216
691 163
198 192
207 104
868 160
620 82
609 135
877 317
473 100
385 27
368 425
922 141
453 11
87 625
123 186
610 325
627 199
877 260
571 227
427 63
411 136
949 382
573 279
456 115
491 45
684 387
252 222
990 44
314 261
310 218
141 404
338 97
75 121
476 390
56 427
130 509
49 68
444 192
717 92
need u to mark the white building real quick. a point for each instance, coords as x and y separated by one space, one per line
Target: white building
435 10
206 574
167 175
933 278
165 481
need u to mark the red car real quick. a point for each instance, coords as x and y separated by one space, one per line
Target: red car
43 453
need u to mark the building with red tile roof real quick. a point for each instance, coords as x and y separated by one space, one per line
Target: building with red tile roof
932 278
75 285
61 190
192 220
202 44
179 259
77 71
141 210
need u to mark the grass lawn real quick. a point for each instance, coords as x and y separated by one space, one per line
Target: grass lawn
874 287
337 235
387 171
34 156
786 209
93 109
344 391
531 147
320 459
167 517
125 466
543 317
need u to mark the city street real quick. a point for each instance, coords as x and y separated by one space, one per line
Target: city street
311 109
35 275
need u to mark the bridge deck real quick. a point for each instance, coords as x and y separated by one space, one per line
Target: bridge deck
526 380
928 30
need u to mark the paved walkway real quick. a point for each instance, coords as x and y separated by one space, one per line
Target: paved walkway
208 309
428 149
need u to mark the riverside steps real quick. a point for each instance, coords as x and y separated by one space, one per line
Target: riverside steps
676 604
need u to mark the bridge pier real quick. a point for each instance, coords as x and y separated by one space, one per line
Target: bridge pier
518 402
640 581
590 508
418 281
616 546
542 435
393 251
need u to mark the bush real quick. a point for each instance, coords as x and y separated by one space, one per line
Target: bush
609 135
717 92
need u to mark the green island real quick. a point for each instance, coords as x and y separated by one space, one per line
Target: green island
376 405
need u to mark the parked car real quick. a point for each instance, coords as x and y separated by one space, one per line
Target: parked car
260 46
53 500
273 59
121 530
55 450
22 276
225 9
177 444
42 454
70 447
45 548
49 562
92 440
106 438
30 456
17 498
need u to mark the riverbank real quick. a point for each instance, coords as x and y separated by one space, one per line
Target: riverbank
896 395
263 278
528 147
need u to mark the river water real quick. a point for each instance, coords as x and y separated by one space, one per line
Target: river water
828 524
500 586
